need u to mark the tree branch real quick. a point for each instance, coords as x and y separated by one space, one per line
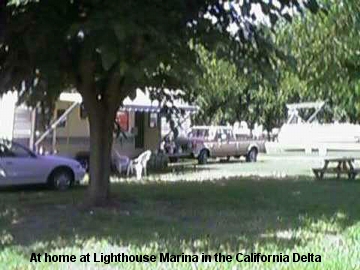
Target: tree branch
85 84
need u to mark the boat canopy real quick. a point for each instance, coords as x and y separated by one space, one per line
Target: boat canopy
293 111
305 105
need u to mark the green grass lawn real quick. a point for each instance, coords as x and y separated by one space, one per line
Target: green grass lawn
238 214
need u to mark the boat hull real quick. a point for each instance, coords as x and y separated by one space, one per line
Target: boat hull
321 138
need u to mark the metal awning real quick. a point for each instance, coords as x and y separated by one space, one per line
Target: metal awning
157 109
142 102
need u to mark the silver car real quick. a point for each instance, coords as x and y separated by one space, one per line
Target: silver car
21 166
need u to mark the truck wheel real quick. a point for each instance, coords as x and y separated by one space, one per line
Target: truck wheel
252 155
203 157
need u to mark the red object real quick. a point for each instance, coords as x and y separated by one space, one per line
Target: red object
122 118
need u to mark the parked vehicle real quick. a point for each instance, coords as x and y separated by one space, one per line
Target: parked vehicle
140 124
220 141
21 166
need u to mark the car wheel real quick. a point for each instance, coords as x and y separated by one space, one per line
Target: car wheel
252 155
61 179
203 157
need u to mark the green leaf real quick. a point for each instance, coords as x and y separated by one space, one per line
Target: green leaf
108 56
312 5
120 31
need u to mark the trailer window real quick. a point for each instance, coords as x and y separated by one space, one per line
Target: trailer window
122 119
153 120
59 113
83 113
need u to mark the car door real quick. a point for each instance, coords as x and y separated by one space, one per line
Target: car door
244 142
3 177
228 143
20 165
216 145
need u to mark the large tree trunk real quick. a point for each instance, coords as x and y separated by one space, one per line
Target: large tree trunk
101 123
101 105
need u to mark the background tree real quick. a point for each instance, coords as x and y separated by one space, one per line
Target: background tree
107 49
324 65
326 49
216 86
227 94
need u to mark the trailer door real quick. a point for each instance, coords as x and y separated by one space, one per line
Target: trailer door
139 124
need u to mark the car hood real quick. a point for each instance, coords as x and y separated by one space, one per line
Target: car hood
59 159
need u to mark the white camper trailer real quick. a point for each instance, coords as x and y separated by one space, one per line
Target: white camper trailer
141 122
16 122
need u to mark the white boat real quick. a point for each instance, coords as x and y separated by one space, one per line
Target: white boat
308 135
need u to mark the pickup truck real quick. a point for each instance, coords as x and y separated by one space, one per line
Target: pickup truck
220 141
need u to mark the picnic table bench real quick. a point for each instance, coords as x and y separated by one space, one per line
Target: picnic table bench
344 165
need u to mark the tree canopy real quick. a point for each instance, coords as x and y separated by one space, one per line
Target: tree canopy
227 94
326 49
322 64
107 49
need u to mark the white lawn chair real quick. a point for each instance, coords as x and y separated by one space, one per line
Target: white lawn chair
139 164
121 162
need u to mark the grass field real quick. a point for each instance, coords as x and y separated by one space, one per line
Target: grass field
268 214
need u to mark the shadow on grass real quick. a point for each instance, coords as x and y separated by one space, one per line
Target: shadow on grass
219 215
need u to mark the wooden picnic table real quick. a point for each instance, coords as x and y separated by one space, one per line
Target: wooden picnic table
344 165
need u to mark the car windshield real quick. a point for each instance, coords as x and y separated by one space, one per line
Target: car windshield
208 134
11 149
200 133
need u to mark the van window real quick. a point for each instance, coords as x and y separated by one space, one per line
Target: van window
200 133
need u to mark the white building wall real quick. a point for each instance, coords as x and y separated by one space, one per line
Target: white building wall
7 109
